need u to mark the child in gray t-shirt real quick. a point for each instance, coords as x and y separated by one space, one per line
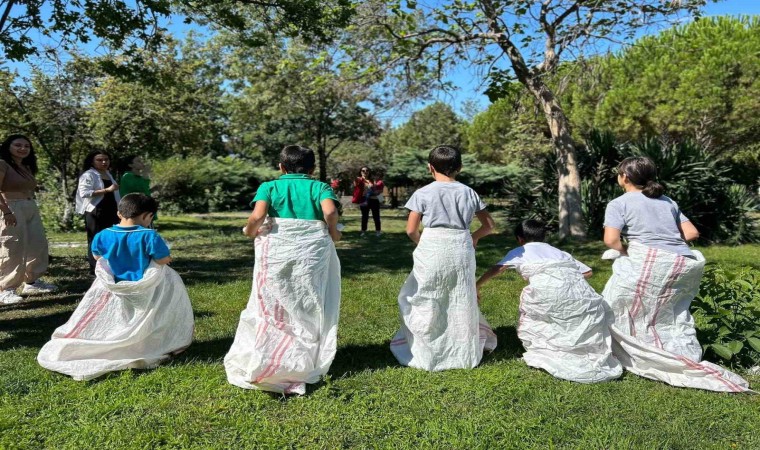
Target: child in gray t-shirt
446 203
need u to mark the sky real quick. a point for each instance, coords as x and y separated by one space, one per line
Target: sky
468 81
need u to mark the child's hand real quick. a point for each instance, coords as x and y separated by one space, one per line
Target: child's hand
336 235
478 295
474 242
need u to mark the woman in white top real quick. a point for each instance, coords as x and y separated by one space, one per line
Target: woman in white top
97 197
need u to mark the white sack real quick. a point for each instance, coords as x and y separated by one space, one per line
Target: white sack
442 327
287 333
117 326
653 333
563 324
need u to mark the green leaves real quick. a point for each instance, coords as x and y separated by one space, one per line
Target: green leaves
727 315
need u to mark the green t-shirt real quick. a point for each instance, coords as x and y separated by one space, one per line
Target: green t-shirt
295 196
133 183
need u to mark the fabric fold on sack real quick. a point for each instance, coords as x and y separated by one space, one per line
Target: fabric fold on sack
653 332
563 324
287 334
124 325
442 327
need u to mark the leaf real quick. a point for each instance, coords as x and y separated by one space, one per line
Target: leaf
735 346
722 351
754 343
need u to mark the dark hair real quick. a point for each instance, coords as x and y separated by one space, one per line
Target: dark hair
136 204
642 173
297 159
445 159
90 158
531 230
5 153
125 163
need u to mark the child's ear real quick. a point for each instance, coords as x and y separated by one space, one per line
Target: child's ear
431 169
282 168
311 171
118 214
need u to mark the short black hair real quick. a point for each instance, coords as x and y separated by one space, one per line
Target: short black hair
531 230
137 204
297 159
445 159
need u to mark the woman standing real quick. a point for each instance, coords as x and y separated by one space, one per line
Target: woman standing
366 192
97 197
136 176
23 245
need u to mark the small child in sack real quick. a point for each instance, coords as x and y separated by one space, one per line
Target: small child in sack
287 334
130 246
441 324
136 314
563 322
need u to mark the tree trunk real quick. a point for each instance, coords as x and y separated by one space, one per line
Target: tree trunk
322 155
570 209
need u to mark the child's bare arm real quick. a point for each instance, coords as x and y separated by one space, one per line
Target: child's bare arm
490 273
164 260
413 226
486 226
688 231
330 212
256 218
97 257
612 240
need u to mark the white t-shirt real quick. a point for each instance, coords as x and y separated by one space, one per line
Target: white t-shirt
539 252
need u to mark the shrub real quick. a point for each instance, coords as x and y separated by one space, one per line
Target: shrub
206 184
727 315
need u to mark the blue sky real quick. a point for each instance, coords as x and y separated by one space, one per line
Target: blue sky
467 80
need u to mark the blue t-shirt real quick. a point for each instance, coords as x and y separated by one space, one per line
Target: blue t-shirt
129 250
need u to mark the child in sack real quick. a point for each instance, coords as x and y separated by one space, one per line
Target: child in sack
137 312
441 324
563 321
287 334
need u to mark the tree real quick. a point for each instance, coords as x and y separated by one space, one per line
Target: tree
292 93
433 125
135 25
533 37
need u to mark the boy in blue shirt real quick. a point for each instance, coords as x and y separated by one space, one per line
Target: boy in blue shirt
129 246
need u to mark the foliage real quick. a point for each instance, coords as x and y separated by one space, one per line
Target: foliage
295 93
138 24
435 124
203 184
727 314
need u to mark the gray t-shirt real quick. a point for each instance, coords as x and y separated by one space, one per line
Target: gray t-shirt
446 205
649 221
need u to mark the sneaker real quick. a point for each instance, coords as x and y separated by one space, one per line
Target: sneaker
38 287
378 233
363 233
9 297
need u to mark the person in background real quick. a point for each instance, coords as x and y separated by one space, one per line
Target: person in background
23 245
97 198
135 176
366 192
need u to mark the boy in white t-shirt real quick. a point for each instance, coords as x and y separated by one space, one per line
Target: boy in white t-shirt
563 323
530 235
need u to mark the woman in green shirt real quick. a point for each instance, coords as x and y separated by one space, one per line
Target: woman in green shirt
135 177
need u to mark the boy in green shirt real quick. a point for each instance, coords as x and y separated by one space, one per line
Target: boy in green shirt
287 335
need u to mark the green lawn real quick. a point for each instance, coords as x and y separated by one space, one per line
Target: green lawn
368 400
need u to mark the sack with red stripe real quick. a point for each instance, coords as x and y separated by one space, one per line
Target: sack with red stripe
563 324
653 333
118 326
441 324
287 333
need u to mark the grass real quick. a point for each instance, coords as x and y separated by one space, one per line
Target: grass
367 400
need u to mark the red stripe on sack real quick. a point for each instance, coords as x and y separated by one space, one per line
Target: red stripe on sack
665 295
399 341
89 315
646 272
276 360
487 329
695 365
261 278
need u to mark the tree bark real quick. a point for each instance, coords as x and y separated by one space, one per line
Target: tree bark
570 206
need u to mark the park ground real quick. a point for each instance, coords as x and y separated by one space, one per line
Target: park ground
367 400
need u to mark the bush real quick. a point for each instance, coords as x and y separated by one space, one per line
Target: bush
727 315
206 184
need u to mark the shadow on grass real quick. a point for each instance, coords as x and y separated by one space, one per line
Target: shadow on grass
31 331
